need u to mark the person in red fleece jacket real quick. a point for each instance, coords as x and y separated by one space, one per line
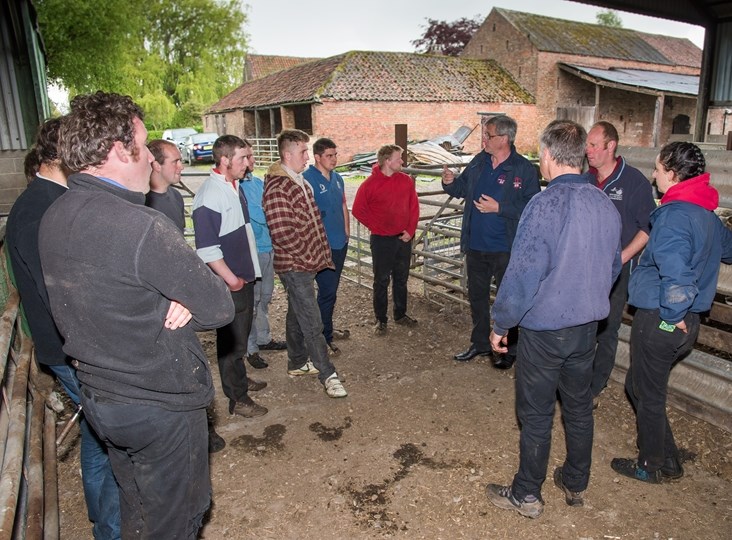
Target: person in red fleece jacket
386 203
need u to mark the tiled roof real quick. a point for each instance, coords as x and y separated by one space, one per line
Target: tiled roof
261 65
561 36
380 76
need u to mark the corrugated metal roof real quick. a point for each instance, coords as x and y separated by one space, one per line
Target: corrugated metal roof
571 37
640 78
380 76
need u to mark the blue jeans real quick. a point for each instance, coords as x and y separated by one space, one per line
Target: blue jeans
653 352
263 291
328 281
160 459
548 361
303 327
100 487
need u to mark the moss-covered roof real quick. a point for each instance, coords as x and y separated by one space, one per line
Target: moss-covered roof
380 76
261 65
571 37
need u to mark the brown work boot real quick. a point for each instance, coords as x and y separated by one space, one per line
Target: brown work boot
247 408
255 386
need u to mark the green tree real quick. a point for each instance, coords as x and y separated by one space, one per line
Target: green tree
190 52
609 17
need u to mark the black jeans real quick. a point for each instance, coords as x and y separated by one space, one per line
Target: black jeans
482 267
231 345
607 332
391 259
653 352
160 460
551 361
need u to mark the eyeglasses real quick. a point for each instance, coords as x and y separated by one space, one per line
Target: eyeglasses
489 137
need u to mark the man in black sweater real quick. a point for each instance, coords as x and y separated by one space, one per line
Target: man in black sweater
128 295
47 182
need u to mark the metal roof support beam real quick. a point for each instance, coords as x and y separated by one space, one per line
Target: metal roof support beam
658 120
705 82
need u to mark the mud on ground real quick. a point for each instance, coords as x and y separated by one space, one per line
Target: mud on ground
408 453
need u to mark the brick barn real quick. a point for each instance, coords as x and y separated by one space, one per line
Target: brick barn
356 98
645 84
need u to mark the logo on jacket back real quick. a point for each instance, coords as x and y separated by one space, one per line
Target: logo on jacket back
615 194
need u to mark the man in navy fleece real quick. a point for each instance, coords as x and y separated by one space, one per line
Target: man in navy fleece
565 258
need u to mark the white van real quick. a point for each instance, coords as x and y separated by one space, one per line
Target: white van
178 135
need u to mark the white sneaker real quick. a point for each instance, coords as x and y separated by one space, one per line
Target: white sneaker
307 369
334 388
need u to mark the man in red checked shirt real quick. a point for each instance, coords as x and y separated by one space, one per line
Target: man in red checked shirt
386 203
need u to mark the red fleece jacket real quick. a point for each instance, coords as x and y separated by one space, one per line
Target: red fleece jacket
387 205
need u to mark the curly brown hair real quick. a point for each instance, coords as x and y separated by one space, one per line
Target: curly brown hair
94 124
45 147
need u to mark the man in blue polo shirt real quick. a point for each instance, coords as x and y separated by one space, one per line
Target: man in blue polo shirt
330 196
496 185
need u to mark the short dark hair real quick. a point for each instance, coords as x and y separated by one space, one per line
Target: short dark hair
685 159
227 145
386 151
608 131
565 141
321 145
289 136
157 149
94 123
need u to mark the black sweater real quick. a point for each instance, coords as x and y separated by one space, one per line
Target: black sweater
22 245
111 267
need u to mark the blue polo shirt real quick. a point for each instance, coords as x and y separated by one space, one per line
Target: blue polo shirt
329 196
488 231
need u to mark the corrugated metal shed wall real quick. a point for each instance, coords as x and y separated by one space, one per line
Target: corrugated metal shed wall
12 132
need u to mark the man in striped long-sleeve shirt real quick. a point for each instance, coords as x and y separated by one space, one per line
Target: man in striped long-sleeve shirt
301 250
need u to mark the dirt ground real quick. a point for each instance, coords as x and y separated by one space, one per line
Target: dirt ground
408 453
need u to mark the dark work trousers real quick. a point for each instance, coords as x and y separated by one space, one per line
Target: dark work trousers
653 352
328 281
482 267
391 258
551 361
607 332
160 461
231 345
303 327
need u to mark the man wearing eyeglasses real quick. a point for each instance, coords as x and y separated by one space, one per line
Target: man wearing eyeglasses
330 196
496 186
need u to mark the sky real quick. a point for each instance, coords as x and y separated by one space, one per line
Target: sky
320 28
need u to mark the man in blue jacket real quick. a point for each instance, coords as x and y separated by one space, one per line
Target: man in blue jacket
496 186
566 257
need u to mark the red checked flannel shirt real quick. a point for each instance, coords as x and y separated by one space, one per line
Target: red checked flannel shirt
295 224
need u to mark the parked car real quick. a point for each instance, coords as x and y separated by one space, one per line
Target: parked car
178 135
198 147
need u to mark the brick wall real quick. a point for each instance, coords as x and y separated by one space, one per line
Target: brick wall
360 127
500 40
12 178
